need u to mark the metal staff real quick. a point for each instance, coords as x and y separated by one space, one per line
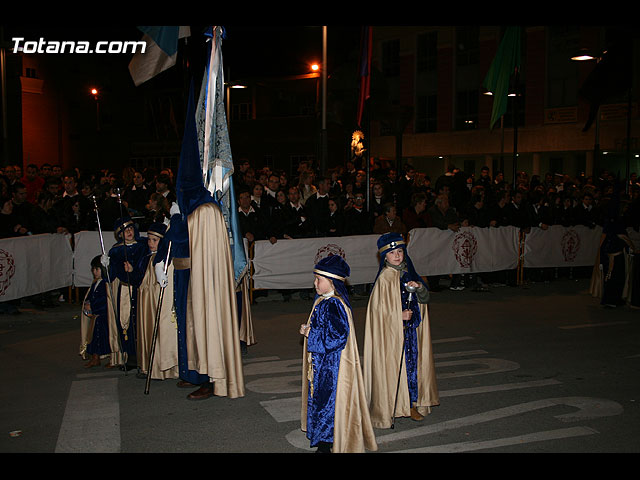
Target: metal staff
409 289
113 305
155 327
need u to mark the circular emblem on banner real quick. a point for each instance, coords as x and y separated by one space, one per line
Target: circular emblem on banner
7 269
570 245
328 250
464 248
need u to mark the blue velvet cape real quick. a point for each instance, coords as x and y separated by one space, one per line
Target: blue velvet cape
327 338
97 298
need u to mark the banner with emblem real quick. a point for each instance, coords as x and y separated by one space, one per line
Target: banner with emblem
288 264
469 250
559 246
34 264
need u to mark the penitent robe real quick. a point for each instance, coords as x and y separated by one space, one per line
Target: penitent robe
165 357
338 400
383 347
212 331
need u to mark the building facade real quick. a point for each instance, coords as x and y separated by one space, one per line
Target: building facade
436 74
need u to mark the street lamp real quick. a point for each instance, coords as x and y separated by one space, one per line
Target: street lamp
95 93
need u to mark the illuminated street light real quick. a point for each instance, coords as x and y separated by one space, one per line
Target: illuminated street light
94 92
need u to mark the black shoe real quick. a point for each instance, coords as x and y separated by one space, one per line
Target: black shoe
324 447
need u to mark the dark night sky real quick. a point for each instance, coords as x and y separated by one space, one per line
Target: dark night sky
248 50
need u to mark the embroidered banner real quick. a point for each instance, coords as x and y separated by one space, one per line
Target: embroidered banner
469 250
560 246
34 264
288 264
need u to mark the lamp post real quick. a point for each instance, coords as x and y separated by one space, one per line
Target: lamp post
95 93
323 137
584 56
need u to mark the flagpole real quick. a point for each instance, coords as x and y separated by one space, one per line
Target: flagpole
515 129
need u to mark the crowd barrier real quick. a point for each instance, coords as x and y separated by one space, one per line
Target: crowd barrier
41 263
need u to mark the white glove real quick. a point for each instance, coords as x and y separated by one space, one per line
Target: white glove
104 260
161 276
175 209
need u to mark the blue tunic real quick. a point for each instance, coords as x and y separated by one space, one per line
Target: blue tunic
411 338
327 338
117 256
97 298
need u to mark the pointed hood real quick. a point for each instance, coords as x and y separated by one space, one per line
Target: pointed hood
190 188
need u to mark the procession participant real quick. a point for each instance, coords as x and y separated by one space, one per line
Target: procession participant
211 334
165 358
95 321
335 415
398 367
178 238
120 261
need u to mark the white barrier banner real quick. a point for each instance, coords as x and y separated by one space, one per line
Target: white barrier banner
86 246
559 246
288 264
469 250
34 264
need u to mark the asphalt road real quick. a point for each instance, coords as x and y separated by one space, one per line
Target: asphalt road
535 369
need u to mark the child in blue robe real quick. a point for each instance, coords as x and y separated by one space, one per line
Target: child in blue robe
95 308
335 415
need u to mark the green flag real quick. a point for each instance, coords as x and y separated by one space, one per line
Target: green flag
506 61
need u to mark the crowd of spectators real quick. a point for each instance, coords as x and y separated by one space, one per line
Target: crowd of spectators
276 205
47 199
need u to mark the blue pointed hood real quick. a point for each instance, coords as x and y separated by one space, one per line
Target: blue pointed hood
190 188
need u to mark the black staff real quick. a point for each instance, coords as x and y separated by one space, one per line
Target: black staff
155 327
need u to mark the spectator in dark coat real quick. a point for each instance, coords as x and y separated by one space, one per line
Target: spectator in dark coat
317 206
336 224
417 216
357 218
297 223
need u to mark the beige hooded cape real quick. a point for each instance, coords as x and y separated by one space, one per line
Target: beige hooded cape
383 339
213 342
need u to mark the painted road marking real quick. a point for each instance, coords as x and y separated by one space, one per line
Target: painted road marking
91 422
503 442
589 325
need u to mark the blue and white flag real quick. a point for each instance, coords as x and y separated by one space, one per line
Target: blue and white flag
215 148
160 53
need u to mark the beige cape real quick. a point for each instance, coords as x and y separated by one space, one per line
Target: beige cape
383 339
212 329
165 356
353 431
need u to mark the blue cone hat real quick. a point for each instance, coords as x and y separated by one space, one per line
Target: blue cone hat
122 223
335 268
392 241
158 229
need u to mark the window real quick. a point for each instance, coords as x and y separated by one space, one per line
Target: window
391 58
426 52
466 110
467 46
241 111
426 114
